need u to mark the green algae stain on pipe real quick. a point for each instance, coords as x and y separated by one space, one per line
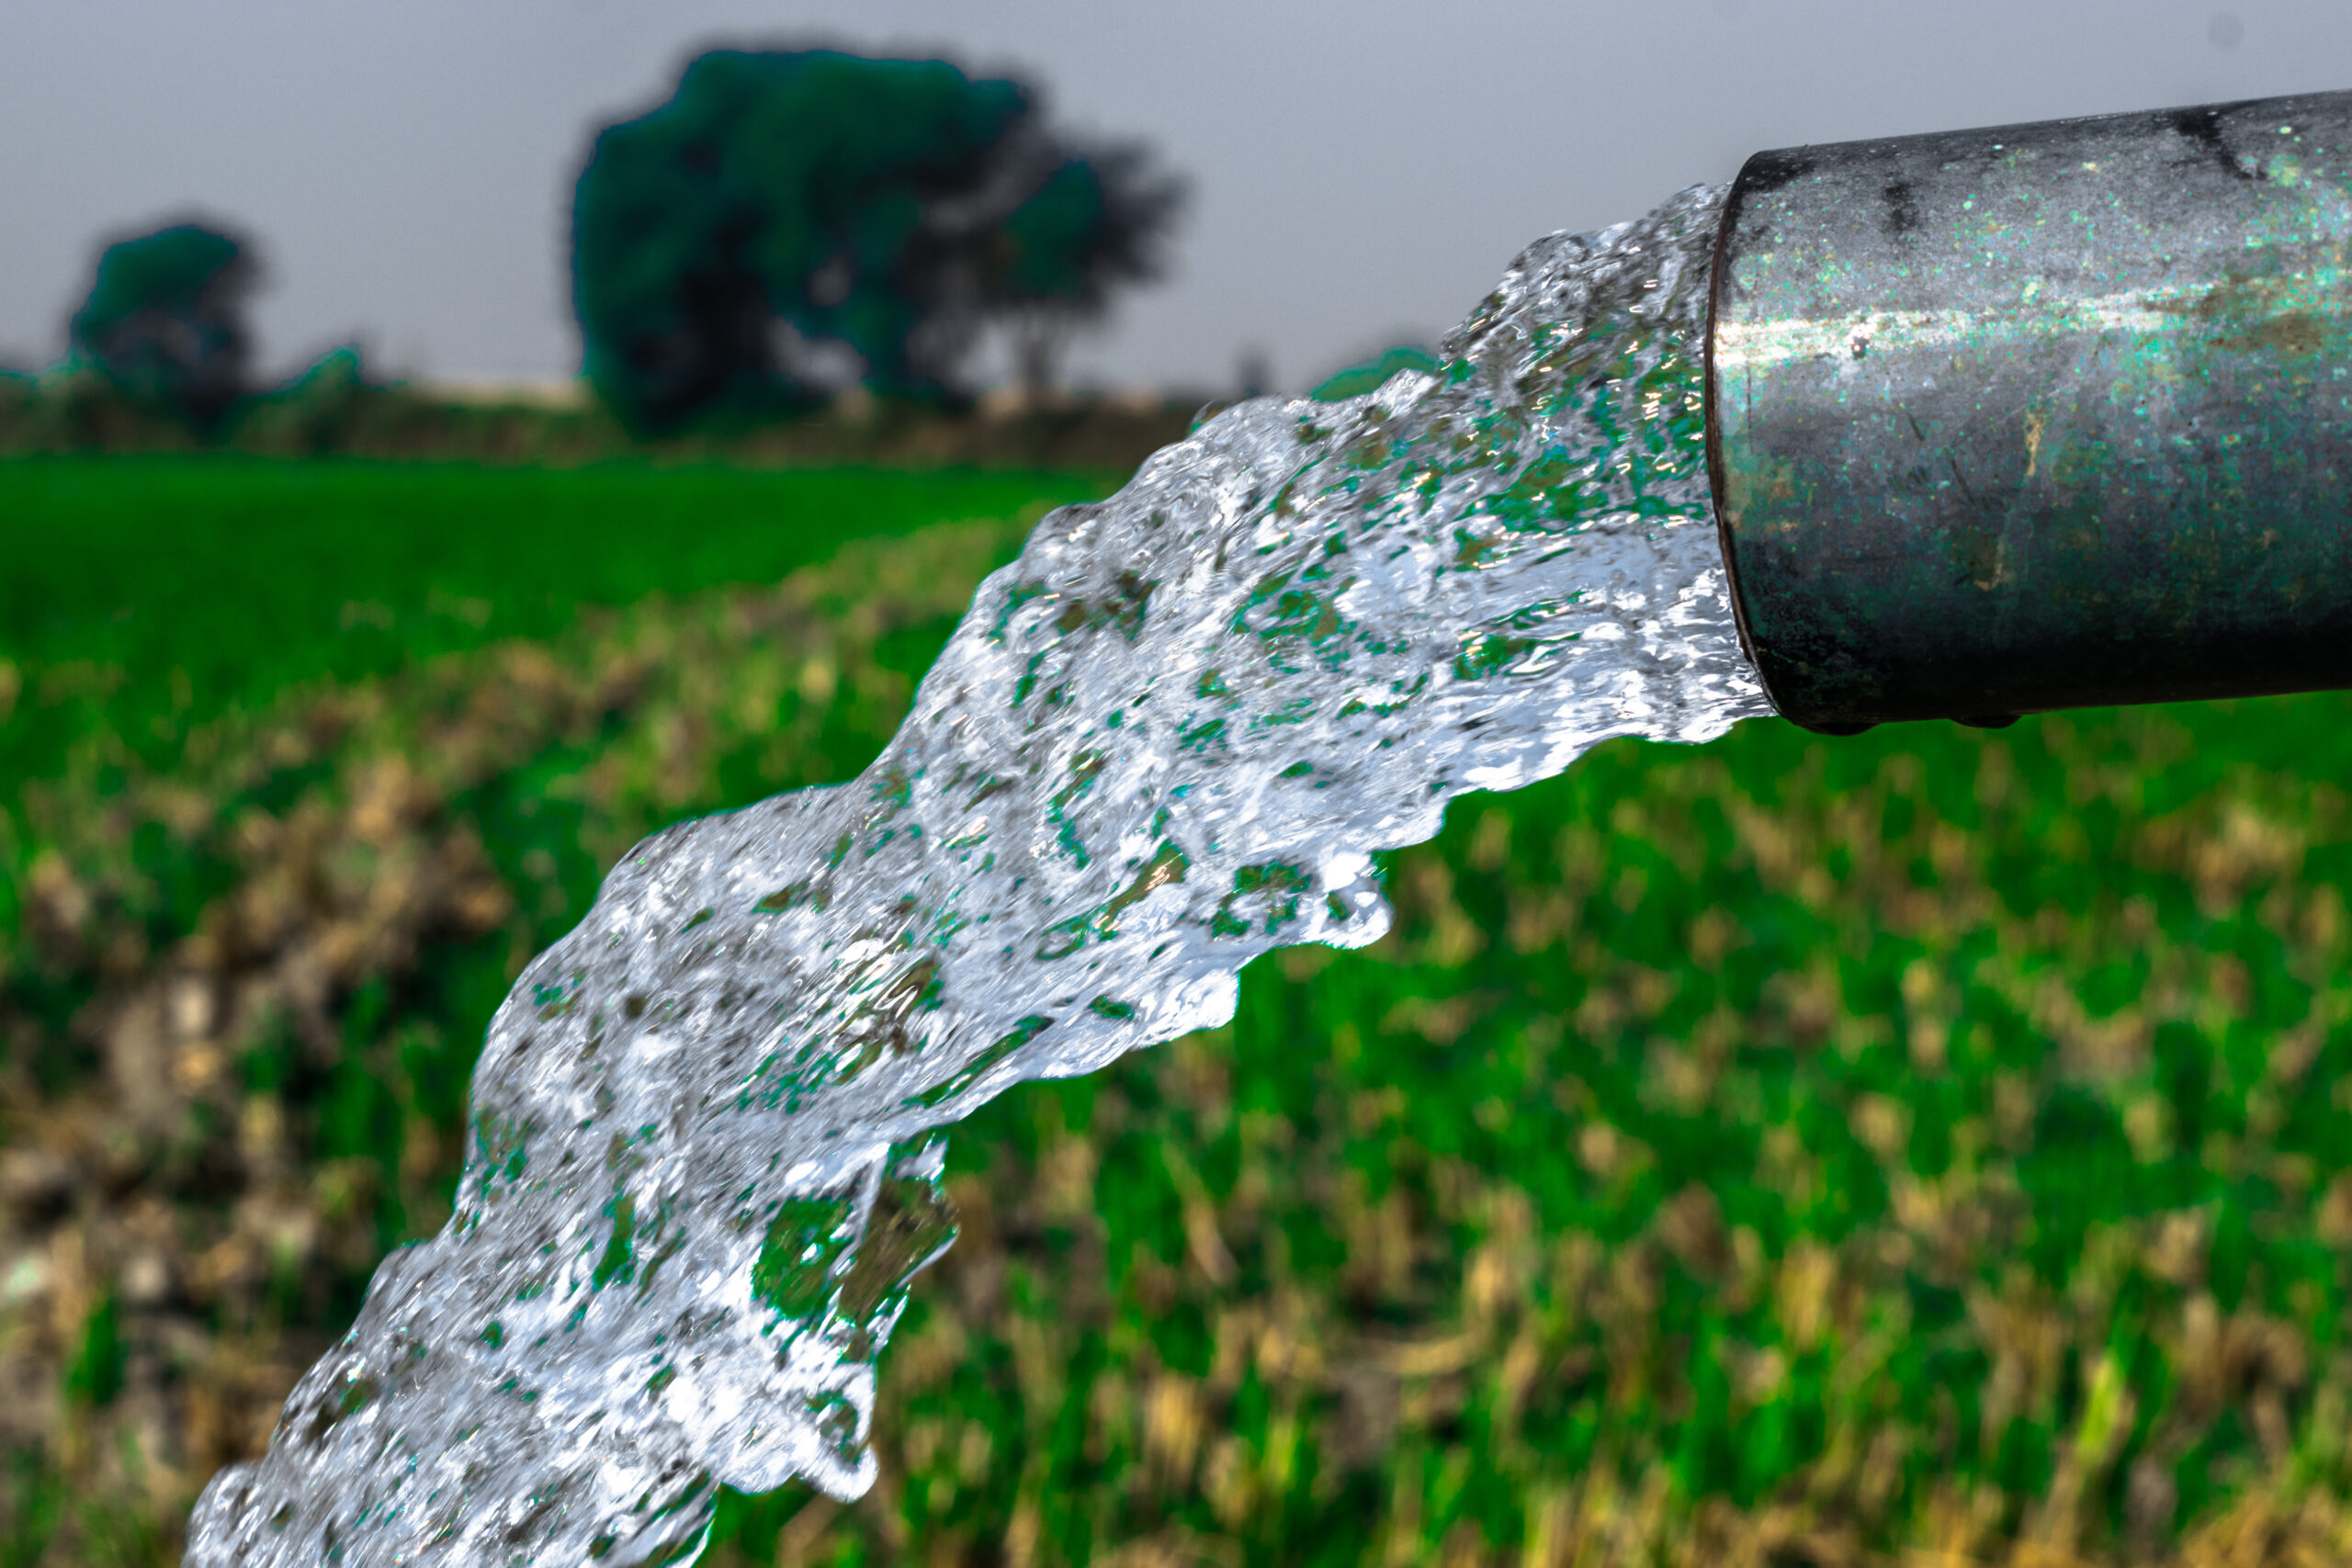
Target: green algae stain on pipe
2040 416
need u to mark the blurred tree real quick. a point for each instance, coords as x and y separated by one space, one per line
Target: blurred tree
791 223
1094 221
165 320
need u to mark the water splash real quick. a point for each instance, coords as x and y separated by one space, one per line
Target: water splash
1166 739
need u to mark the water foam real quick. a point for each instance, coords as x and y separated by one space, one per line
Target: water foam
1168 738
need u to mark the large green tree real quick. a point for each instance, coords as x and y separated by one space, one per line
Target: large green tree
165 320
790 222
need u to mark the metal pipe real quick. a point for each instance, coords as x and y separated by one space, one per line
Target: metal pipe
2040 416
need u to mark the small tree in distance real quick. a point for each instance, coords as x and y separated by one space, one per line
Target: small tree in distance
792 223
165 322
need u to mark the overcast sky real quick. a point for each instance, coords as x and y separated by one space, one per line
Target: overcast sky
1361 169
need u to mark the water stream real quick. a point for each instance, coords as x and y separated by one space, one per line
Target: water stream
1168 738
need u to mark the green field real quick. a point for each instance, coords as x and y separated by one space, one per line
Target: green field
170 588
1925 1146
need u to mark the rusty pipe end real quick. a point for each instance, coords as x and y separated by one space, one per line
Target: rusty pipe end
2040 416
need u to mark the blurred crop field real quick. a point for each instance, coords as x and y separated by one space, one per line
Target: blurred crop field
1930 1147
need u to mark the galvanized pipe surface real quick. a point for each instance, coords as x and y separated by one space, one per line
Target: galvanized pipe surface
2040 416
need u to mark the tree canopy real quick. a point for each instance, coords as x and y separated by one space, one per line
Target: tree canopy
791 222
166 320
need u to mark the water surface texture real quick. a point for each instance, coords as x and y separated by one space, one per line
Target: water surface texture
1166 739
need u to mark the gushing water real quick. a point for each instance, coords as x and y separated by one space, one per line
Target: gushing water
1166 739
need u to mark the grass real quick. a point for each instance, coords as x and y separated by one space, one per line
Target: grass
150 593
1794 1150
1922 1146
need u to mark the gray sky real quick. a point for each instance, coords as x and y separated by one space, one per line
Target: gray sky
1362 168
